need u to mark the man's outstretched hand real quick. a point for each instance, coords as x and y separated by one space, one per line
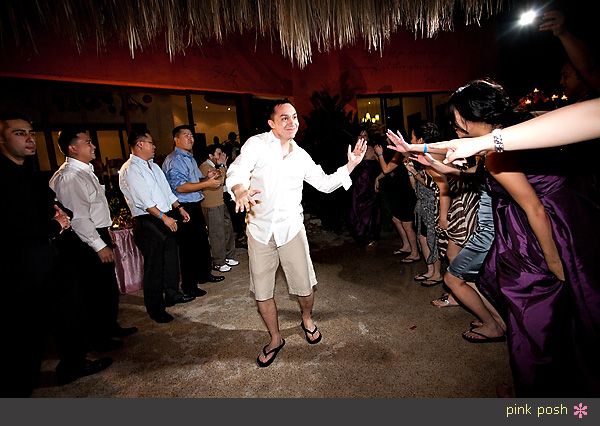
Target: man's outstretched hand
356 155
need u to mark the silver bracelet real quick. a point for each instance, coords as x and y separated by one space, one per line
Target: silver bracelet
498 144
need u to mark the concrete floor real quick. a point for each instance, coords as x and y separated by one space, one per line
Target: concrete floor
381 338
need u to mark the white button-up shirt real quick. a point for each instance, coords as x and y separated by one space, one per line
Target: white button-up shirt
144 185
278 211
78 189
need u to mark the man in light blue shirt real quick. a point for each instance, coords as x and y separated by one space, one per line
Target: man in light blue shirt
156 211
187 182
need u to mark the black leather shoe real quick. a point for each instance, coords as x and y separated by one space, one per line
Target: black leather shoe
212 279
69 373
107 345
179 298
162 317
196 292
119 331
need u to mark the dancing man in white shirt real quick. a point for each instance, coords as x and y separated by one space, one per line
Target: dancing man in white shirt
266 180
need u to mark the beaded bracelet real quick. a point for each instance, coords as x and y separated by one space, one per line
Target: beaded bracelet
498 144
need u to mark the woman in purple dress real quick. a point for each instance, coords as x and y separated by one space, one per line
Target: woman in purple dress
363 217
542 271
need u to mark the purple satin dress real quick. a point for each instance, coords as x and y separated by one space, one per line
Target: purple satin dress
363 216
553 326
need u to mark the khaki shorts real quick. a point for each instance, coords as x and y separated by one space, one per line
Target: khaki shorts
295 261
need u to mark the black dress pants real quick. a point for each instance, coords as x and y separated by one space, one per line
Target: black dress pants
100 291
41 296
24 313
194 248
161 261
65 293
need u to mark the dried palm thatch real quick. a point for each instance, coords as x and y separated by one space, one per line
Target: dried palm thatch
298 24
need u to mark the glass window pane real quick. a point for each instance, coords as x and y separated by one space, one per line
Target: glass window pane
215 116
438 103
369 109
60 158
155 111
109 144
415 110
42 152
179 108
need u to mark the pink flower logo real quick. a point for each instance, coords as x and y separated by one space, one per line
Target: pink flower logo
580 410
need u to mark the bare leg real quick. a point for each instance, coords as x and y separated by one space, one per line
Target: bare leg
412 240
433 269
306 306
471 299
268 312
489 307
404 239
452 251
436 270
425 250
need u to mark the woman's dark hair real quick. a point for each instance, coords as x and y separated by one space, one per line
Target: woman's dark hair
485 101
428 131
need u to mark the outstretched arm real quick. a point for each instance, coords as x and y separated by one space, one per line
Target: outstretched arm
323 182
577 50
438 166
564 126
387 167
397 143
517 185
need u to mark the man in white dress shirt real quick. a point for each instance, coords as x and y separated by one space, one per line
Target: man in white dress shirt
266 180
78 189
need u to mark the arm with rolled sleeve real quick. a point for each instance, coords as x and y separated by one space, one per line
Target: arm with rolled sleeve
324 182
167 183
136 186
176 174
240 170
72 192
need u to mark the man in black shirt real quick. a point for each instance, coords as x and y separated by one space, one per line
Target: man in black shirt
27 262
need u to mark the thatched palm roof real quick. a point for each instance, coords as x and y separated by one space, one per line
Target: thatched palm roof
300 25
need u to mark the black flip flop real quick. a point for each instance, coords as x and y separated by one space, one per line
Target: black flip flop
430 283
273 351
485 339
312 333
407 260
475 324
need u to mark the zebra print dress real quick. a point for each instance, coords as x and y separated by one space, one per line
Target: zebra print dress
462 214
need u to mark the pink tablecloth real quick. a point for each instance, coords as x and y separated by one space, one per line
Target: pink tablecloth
129 263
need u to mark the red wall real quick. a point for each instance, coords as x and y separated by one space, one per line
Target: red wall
244 64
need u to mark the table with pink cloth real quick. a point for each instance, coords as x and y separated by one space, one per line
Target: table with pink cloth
129 263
